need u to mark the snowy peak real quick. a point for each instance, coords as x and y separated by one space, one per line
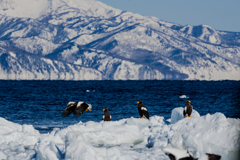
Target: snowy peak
93 8
37 8
24 8
203 32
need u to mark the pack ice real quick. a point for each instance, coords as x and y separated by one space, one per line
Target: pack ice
126 139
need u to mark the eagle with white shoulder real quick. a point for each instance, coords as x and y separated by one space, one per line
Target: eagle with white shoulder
142 110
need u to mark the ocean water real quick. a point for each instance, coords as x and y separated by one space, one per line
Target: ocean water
40 103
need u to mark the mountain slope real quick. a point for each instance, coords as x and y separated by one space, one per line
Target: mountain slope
114 44
24 66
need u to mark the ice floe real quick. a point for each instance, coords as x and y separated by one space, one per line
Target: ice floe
126 139
183 96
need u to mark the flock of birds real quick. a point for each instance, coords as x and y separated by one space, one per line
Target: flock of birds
77 108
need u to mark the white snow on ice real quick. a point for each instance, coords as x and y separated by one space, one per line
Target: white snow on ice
177 114
126 139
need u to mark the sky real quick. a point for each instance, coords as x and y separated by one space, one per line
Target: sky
221 15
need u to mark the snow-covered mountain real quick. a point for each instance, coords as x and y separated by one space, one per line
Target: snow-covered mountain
86 39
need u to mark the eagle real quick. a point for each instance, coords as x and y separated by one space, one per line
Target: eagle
77 108
188 109
143 112
106 115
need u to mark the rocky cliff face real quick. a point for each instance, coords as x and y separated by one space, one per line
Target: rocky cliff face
86 39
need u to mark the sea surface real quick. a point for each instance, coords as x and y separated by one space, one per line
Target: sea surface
40 103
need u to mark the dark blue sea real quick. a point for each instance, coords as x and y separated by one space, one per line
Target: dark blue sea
40 103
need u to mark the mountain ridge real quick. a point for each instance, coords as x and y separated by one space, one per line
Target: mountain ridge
115 44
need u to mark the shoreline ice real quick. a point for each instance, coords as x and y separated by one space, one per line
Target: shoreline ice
126 139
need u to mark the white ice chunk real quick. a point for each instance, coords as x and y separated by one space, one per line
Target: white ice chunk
2 155
183 96
207 134
177 114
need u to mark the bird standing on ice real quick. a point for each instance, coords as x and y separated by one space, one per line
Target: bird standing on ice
77 108
142 110
106 116
188 109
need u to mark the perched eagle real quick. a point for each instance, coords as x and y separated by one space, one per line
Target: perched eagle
77 108
188 109
142 110
106 116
